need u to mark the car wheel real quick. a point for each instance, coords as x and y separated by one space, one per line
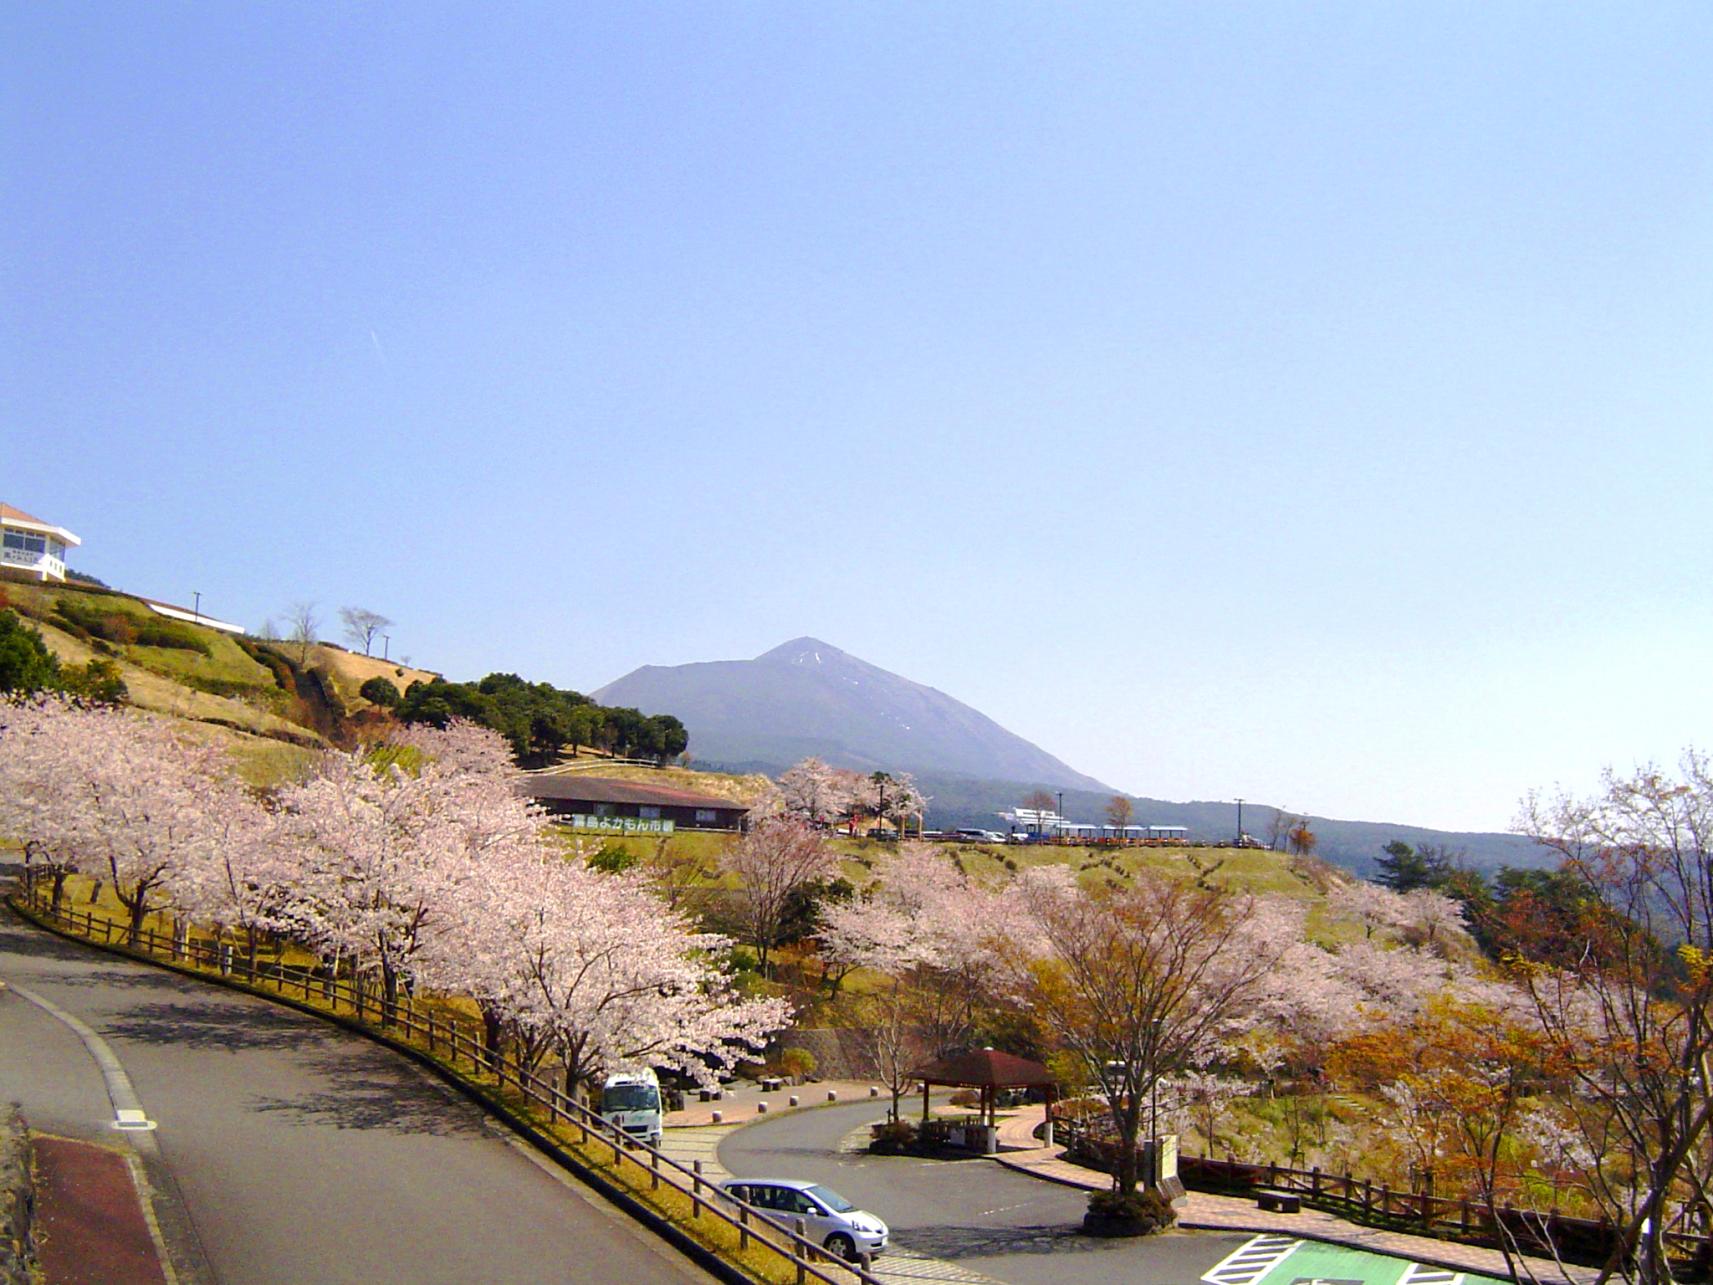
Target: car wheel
842 1246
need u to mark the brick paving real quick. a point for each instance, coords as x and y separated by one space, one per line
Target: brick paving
90 1224
1022 1151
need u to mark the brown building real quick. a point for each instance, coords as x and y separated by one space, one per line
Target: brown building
597 803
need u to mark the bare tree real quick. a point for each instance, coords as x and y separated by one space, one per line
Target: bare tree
1120 811
1302 839
1148 980
303 626
1628 1003
768 865
361 626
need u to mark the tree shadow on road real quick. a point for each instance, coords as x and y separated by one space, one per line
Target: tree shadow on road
371 1088
213 1024
990 1242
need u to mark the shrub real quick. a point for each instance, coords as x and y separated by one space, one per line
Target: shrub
613 858
966 1098
797 1062
894 1138
97 682
380 691
1135 1213
119 629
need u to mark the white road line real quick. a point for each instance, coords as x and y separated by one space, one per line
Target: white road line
128 1114
1254 1260
1422 1274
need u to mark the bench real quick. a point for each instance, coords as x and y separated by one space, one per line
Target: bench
1278 1202
771 1084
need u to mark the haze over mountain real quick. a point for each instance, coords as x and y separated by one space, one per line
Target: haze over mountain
807 697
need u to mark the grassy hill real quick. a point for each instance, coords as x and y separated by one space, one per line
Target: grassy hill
252 697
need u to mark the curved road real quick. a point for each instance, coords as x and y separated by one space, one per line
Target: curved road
973 1213
291 1151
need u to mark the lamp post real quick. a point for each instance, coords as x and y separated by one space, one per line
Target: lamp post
1239 822
1059 830
386 646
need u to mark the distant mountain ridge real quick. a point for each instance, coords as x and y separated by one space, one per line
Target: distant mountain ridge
807 697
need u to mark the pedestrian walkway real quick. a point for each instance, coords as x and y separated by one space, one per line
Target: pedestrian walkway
740 1102
90 1222
1021 1150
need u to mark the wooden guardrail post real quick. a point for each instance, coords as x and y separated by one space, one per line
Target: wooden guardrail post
802 1230
695 1184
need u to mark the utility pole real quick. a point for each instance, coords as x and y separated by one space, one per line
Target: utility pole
1059 830
386 648
1240 822
197 609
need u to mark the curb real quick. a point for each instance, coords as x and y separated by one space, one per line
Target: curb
692 1249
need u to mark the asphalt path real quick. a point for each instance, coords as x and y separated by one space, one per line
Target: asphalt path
289 1150
973 1213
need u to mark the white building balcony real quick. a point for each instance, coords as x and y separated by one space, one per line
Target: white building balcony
30 545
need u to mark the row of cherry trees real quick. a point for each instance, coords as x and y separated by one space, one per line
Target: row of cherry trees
415 864
820 796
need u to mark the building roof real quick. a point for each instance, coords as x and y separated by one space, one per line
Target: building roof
984 1068
18 518
574 787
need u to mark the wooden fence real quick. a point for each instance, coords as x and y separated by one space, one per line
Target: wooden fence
1576 1240
452 1044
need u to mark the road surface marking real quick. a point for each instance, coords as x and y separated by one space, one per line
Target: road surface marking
1253 1261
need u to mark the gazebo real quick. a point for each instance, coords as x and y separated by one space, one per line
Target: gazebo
989 1071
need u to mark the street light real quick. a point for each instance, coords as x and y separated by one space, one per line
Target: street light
1239 822
386 646
1060 828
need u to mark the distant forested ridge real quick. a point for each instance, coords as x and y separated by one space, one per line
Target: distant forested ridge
542 721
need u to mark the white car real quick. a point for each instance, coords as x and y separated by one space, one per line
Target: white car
828 1218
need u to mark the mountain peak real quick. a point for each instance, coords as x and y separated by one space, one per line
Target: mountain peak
802 651
807 697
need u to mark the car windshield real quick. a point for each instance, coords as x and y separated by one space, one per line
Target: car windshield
831 1199
630 1097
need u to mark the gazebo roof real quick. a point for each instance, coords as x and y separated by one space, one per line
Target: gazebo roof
984 1068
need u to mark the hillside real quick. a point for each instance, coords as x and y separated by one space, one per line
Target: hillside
807 697
270 704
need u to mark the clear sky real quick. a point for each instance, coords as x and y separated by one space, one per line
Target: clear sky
1304 402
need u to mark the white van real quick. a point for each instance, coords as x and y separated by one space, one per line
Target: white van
630 1102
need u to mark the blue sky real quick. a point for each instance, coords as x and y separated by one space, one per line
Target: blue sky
1306 402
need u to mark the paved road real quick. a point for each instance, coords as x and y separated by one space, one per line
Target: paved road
973 1213
290 1151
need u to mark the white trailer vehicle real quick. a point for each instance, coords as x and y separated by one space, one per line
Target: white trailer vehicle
630 1102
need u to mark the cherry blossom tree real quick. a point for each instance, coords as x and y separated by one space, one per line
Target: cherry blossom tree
380 860
814 793
595 967
767 866
120 794
1374 907
927 928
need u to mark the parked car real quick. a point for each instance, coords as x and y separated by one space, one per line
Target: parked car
828 1218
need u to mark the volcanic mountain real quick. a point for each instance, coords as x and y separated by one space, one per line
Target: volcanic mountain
807 697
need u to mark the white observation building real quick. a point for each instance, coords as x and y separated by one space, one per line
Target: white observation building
33 546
